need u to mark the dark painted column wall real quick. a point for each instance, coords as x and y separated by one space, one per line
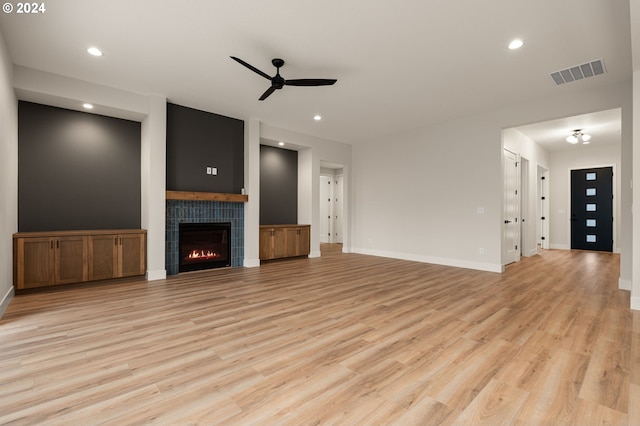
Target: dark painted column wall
197 140
80 171
76 170
278 186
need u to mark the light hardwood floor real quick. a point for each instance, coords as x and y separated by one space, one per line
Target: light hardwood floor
344 339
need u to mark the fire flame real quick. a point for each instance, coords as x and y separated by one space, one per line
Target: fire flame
202 255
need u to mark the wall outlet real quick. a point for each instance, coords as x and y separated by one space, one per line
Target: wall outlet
481 250
208 170
214 171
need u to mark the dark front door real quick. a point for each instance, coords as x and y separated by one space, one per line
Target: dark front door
592 209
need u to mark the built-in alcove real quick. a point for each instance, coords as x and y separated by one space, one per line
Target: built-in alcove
82 169
278 186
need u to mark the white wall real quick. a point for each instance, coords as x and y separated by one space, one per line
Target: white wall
153 141
562 162
8 175
522 145
634 133
635 277
416 194
252 188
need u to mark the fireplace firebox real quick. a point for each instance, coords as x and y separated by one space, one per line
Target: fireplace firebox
204 246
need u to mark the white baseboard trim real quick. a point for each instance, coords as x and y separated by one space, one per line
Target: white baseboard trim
251 263
156 275
559 246
635 303
480 266
531 252
624 284
314 254
6 300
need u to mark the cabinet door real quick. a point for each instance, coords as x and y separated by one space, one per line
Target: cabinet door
280 243
103 257
266 244
131 254
71 260
304 241
291 242
34 262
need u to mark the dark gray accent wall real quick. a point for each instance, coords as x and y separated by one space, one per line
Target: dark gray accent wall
278 186
76 170
197 140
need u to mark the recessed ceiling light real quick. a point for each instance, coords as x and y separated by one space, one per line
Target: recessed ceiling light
87 106
94 51
281 143
317 117
516 44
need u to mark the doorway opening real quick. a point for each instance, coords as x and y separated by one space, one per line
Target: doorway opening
592 209
542 208
511 214
331 203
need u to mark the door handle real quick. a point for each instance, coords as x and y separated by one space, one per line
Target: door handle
507 221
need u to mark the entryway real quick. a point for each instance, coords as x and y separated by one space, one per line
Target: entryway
592 209
331 204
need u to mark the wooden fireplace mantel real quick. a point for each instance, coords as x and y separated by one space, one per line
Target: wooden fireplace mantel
206 196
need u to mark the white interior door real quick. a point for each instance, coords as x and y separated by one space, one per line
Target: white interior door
511 226
542 208
527 244
337 209
325 209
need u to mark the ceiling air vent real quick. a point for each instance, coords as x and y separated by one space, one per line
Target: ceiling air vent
579 72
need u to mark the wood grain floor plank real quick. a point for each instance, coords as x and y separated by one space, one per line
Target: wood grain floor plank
497 403
343 339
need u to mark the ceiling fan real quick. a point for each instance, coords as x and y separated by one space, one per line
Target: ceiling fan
277 82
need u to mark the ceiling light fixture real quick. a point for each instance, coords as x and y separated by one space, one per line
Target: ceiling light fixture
317 117
94 51
578 136
281 143
87 106
516 44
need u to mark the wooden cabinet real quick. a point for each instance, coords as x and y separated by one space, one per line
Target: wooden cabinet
70 259
116 255
38 254
132 252
279 241
44 259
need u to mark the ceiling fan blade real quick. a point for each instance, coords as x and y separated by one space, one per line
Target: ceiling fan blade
251 67
266 94
310 82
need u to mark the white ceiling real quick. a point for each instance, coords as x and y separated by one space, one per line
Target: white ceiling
603 126
399 65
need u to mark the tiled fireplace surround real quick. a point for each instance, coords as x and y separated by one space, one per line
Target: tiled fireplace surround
184 211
